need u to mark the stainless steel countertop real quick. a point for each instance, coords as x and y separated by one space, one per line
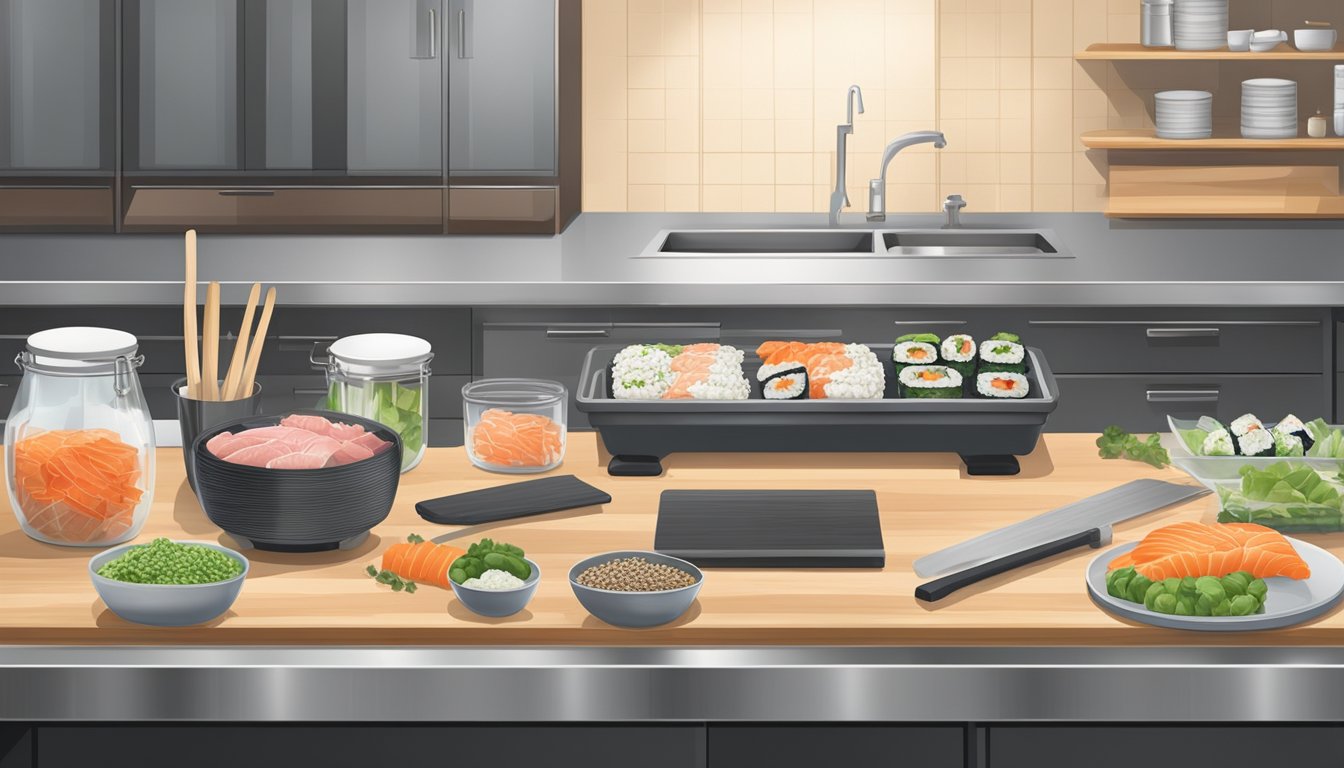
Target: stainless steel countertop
595 263
673 684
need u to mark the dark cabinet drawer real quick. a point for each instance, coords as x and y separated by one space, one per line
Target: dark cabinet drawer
790 746
1141 402
158 329
1165 747
325 210
1111 343
56 208
359 745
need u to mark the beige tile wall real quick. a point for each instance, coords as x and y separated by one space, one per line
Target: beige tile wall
731 105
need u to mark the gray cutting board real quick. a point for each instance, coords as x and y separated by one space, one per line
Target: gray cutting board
771 529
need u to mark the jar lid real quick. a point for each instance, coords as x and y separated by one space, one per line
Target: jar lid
381 349
82 343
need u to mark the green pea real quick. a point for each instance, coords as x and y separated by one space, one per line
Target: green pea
1204 606
1183 608
1155 590
1138 587
1212 588
1165 603
1244 605
1258 589
1223 609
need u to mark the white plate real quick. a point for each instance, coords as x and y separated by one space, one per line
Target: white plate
1289 602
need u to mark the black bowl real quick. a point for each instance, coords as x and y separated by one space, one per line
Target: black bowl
297 510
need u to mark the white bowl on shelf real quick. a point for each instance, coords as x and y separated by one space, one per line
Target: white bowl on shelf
1315 39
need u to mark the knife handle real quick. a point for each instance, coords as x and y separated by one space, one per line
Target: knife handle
939 588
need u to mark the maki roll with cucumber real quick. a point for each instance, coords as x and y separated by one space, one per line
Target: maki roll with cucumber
931 382
783 381
914 349
1292 426
1218 443
1002 353
958 353
1256 442
1245 423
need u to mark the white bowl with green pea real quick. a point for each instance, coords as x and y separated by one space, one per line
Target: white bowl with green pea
168 583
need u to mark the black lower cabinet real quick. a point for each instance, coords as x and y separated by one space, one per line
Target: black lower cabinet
342 746
1238 746
16 746
787 746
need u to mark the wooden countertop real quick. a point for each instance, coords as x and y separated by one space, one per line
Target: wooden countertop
926 503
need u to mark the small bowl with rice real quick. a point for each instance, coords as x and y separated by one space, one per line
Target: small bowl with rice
635 589
497 594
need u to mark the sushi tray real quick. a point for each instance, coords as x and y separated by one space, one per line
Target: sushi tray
987 433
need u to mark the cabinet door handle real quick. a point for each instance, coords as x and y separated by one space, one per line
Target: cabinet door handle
1183 333
1182 395
462 41
310 391
246 193
433 34
577 333
928 322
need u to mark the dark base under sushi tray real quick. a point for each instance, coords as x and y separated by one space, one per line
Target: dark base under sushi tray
987 434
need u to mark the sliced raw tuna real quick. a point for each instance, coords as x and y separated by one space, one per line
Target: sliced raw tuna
300 441
349 453
344 432
308 423
259 455
297 461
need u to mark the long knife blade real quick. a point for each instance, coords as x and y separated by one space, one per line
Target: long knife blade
1125 502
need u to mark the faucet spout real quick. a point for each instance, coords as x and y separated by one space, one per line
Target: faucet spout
840 197
877 188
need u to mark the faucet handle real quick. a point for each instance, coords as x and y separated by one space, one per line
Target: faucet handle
954 202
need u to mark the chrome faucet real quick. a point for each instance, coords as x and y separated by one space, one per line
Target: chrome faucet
840 198
952 208
877 188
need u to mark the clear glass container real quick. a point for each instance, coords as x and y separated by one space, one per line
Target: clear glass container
515 425
384 377
79 459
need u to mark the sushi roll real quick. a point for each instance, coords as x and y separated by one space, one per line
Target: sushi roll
864 379
1256 442
1290 425
708 372
1288 446
1000 386
931 382
784 381
642 372
958 353
1002 353
911 352
1244 424
1218 443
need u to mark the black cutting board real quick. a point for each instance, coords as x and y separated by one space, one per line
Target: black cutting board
771 529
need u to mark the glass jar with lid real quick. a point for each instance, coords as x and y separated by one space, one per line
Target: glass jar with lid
385 377
79 462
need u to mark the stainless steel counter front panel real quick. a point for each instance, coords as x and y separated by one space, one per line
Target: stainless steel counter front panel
671 684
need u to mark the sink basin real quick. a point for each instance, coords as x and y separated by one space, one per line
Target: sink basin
738 242
855 244
970 244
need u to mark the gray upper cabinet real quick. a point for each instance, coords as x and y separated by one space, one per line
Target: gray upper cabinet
284 115
502 88
57 114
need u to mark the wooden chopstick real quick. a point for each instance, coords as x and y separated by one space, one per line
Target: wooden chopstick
239 358
189 320
254 352
210 344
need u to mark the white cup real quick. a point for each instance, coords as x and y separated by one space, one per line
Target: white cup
1239 39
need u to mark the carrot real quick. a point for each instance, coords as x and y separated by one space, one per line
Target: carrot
423 562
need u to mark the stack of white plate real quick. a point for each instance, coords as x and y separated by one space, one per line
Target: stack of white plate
1269 109
1200 25
1183 114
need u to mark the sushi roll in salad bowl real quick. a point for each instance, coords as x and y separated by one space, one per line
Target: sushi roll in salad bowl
307 481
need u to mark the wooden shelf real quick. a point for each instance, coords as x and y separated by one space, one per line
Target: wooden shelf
1135 139
1213 207
1136 52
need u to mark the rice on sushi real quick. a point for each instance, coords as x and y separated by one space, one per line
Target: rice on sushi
834 370
784 381
958 353
1291 425
1218 443
908 353
931 382
671 372
1001 386
1002 353
1256 442
1245 423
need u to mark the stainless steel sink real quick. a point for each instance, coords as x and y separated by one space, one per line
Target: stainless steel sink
855 244
970 244
730 242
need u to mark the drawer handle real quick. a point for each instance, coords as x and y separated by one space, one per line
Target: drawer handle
246 193
577 333
1183 333
928 322
1182 395
310 391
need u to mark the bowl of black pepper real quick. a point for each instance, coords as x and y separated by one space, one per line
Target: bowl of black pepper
635 589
